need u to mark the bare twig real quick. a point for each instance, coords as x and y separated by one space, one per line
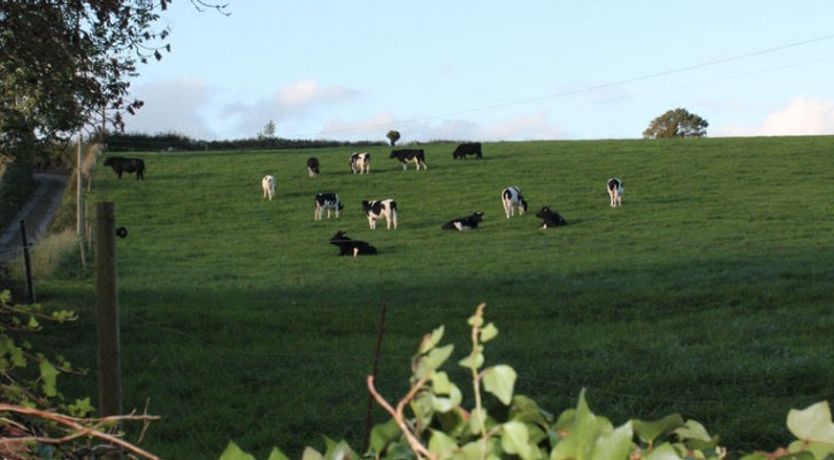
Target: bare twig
419 450
77 425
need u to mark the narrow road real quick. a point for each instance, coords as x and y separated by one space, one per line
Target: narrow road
37 213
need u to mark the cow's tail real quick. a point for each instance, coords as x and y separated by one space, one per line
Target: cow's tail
393 211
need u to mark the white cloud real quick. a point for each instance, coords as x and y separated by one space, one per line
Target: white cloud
803 116
171 106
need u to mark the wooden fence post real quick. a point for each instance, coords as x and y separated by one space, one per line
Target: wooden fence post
107 312
27 261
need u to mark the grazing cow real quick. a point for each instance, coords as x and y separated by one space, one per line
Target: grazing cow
465 223
472 148
329 202
129 165
313 167
348 246
268 186
550 218
360 162
615 191
381 209
511 198
418 157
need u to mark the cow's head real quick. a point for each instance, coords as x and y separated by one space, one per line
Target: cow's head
477 216
544 212
108 161
339 236
523 204
394 154
366 205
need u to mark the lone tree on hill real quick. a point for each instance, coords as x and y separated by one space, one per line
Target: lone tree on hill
393 136
676 123
268 131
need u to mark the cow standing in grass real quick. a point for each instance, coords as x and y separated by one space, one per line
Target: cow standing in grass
360 162
383 209
463 224
327 202
128 165
615 191
268 186
406 156
313 167
471 148
512 199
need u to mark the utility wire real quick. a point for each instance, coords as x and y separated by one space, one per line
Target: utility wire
578 90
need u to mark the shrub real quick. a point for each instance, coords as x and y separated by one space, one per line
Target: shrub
16 185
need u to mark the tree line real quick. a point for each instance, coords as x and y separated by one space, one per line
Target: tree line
165 142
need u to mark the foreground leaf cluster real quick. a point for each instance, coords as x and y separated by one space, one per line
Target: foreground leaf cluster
431 422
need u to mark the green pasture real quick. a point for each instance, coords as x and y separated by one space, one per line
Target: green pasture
709 292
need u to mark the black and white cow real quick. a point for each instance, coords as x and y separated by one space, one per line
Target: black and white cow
349 246
550 218
313 167
327 202
615 191
128 165
465 223
471 148
360 162
268 186
512 199
406 156
382 209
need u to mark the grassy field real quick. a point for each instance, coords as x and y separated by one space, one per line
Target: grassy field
708 293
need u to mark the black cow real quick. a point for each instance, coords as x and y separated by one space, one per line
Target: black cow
465 223
348 246
129 165
550 218
416 156
471 148
313 167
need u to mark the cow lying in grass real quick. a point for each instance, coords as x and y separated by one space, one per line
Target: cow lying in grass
327 202
383 209
550 218
512 199
615 191
268 186
348 246
465 223
128 165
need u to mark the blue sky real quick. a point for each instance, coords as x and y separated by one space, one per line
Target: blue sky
491 70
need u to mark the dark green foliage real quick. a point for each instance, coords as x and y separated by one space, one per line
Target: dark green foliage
676 123
131 142
393 136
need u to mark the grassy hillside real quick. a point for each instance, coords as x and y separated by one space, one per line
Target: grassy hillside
708 293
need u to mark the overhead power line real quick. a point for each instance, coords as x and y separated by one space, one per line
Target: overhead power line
573 92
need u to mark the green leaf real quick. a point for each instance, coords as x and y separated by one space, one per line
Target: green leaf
438 356
648 431
50 378
338 451
233 452
276 454
615 445
440 383
581 436
663 452
431 340
695 436
488 332
476 320
33 323
81 408
441 444
442 404
812 423
473 361
311 454
515 440
500 381
524 409
383 434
